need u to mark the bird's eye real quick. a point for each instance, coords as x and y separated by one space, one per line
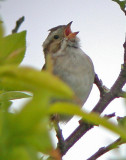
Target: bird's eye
56 36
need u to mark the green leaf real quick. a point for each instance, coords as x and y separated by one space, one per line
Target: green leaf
122 4
33 125
71 109
12 95
28 79
19 153
25 129
1 123
34 111
5 104
12 48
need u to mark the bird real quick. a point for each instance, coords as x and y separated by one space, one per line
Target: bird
70 63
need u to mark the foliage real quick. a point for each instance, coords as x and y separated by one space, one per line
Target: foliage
24 134
67 108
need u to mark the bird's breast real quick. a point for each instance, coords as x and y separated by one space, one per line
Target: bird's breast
76 69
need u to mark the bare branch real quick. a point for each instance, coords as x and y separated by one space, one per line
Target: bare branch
109 115
18 23
104 150
115 89
124 45
60 138
99 84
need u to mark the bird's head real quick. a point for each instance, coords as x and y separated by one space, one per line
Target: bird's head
57 35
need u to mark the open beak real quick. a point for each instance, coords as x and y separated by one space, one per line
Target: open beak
68 33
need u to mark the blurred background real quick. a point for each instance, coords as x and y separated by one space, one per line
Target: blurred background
102 26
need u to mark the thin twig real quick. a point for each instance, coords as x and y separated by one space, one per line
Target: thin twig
18 23
124 45
106 149
109 115
99 84
60 137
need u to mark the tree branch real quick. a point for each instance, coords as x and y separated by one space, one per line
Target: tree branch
18 23
101 87
104 150
109 115
60 137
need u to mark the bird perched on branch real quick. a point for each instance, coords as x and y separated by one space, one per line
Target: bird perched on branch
69 62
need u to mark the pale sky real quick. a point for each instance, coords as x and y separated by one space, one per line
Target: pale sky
102 27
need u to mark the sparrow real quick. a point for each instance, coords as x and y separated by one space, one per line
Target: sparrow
69 62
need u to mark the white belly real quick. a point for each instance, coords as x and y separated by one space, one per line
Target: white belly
76 69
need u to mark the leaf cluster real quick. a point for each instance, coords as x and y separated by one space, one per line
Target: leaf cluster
25 133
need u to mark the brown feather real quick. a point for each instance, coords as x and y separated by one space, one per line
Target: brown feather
55 28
